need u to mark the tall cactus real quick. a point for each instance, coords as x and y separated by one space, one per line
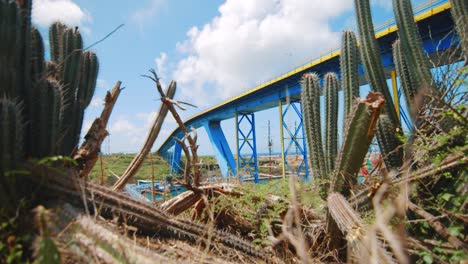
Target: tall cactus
56 31
375 74
10 48
47 117
88 76
459 11
11 149
349 59
37 56
411 44
11 134
310 97
331 85
403 71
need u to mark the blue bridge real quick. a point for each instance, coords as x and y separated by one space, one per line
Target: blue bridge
436 28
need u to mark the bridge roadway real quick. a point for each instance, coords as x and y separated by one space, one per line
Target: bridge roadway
436 28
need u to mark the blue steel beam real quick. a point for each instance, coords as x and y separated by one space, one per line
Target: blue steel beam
246 142
295 138
436 29
224 155
175 159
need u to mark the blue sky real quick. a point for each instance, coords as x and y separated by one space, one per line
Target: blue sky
214 49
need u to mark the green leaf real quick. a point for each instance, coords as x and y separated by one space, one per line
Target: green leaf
47 252
447 196
455 230
427 258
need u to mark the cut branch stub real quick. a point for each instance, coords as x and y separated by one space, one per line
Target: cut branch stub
359 132
88 153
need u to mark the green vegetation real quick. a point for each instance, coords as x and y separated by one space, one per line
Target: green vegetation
118 163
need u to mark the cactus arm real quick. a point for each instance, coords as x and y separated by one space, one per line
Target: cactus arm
37 56
56 31
349 69
459 12
71 50
411 43
331 85
402 70
10 51
310 97
370 54
375 74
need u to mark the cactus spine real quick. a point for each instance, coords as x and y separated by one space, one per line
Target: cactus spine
349 59
331 85
459 12
411 44
310 97
375 74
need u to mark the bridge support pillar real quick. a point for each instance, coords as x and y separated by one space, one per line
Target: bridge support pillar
293 141
223 152
247 160
175 159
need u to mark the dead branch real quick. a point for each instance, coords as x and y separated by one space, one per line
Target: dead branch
438 226
136 163
88 153
192 141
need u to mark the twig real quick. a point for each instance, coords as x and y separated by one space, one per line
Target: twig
438 226
104 38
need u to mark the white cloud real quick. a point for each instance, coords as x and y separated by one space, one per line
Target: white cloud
141 16
102 84
251 42
131 132
96 102
46 12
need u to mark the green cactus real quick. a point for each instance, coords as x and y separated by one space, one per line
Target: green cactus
459 12
46 119
11 149
401 67
11 134
358 135
331 85
390 144
88 77
10 48
349 59
375 74
56 31
411 44
310 97
89 69
37 56
70 74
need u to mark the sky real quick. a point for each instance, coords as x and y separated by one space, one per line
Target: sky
214 49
